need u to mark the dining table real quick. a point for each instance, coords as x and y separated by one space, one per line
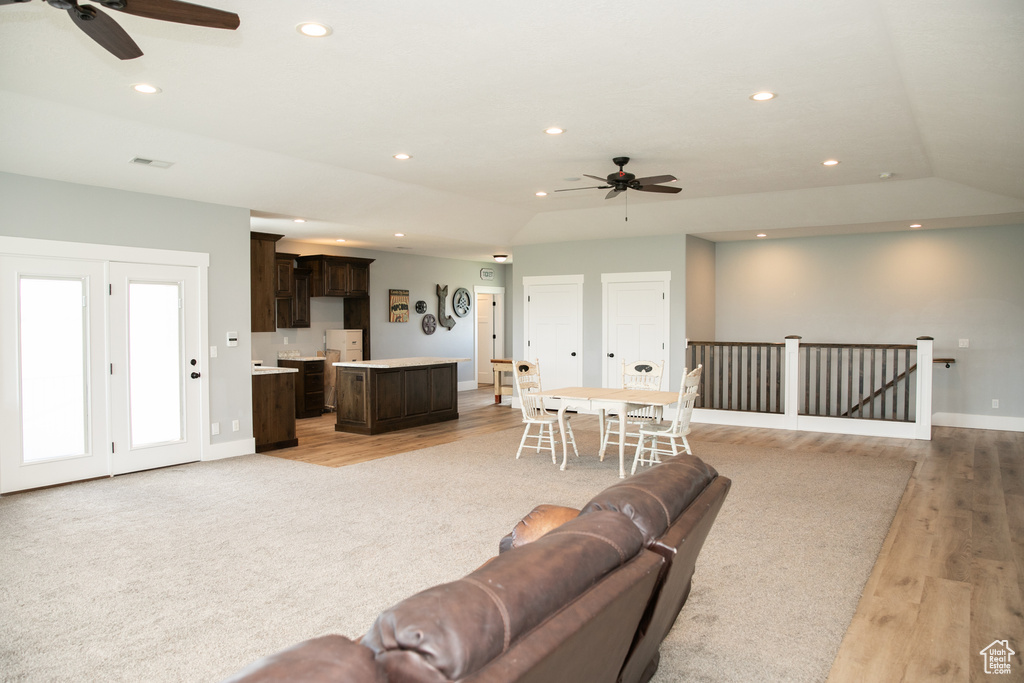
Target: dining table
606 400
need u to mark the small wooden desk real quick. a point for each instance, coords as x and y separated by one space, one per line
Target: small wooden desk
619 401
501 365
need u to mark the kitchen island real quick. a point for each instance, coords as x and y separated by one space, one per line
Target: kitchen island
376 396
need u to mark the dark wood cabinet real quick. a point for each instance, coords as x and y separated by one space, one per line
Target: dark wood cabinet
262 294
309 386
346 276
273 411
293 312
376 400
284 278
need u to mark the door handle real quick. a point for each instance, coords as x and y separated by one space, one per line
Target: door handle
195 375
573 353
611 355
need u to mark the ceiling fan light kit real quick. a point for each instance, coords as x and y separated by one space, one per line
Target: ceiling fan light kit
115 40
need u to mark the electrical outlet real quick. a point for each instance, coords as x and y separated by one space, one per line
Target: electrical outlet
213 352
964 343
215 428
286 340
234 425
995 403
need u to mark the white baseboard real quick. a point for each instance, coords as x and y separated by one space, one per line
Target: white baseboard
1002 424
468 385
229 449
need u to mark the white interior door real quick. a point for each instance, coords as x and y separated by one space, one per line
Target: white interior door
485 338
53 386
554 324
636 323
155 369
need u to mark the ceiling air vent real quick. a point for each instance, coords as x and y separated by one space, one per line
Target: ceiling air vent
152 163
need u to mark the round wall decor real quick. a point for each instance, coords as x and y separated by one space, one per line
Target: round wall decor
429 323
461 302
421 307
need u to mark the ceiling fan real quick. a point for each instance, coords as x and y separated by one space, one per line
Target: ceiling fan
109 34
621 181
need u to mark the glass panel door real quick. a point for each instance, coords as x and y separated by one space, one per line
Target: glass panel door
52 359
155 391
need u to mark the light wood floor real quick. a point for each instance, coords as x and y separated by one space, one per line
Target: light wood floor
947 582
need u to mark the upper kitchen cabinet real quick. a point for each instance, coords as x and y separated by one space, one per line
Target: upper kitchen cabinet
338 275
262 281
284 265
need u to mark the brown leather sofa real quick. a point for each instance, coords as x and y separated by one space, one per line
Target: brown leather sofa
572 596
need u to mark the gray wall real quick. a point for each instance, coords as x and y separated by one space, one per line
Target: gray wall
591 259
420 275
700 289
892 287
53 210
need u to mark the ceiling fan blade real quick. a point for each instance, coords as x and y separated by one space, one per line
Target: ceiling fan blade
656 180
592 187
587 175
613 194
11 2
659 188
179 12
105 31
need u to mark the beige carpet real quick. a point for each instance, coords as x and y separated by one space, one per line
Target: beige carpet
188 573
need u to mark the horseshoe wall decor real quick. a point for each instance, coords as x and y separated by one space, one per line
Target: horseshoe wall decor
443 319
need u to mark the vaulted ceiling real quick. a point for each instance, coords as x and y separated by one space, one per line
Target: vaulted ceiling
930 92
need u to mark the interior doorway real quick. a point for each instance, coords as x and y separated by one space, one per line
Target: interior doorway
489 335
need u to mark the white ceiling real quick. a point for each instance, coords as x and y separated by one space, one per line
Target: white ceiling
931 91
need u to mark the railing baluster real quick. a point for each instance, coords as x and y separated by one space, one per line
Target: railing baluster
885 356
828 382
906 386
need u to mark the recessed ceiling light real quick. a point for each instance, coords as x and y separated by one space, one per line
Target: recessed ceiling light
402 157
146 88
554 130
916 225
830 162
541 194
763 96
886 176
399 234
299 220
313 29
501 258
339 240
761 234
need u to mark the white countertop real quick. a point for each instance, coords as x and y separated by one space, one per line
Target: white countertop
398 362
264 370
303 358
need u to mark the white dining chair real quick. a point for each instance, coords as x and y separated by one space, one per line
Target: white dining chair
643 375
527 378
663 439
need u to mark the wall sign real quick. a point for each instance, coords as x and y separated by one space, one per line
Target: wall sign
429 323
421 306
398 304
487 273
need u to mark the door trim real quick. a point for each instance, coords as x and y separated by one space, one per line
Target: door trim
662 276
86 251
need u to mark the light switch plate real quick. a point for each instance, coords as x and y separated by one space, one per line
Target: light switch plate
215 428
232 339
965 343
234 425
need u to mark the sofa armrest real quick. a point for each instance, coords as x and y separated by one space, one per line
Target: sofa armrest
328 659
538 522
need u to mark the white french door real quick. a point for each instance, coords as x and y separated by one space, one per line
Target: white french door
97 369
53 387
636 322
554 328
155 368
